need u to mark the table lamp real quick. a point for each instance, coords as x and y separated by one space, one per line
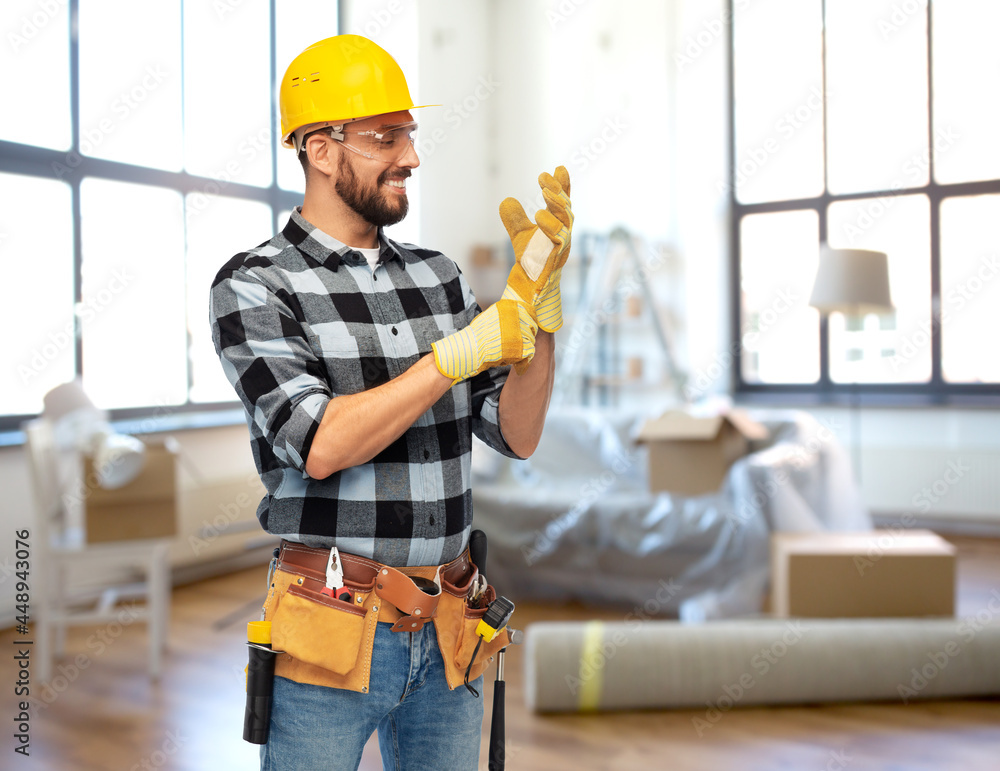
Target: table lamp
854 282
118 458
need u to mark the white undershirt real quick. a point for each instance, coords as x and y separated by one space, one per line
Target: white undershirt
370 254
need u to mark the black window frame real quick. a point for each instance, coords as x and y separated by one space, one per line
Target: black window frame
826 391
45 163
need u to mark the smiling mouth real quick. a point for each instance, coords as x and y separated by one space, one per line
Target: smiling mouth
397 184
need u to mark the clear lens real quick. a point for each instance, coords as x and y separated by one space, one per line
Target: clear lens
386 147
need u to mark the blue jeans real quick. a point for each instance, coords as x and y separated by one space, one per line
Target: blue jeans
421 724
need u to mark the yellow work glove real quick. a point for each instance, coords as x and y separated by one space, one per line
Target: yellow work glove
502 334
540 250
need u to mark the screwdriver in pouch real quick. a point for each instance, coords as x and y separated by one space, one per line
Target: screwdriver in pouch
477 553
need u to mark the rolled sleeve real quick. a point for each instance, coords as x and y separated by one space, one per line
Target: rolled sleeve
269 362
486 389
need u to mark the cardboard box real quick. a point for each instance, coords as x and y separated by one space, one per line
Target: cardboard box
144 508
862 575
690 455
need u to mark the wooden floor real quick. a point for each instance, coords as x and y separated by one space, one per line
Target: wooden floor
105 714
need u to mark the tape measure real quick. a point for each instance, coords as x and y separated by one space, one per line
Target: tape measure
497 615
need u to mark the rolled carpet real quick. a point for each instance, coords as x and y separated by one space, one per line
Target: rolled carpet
595 665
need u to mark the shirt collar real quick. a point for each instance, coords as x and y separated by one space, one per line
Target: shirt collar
326 249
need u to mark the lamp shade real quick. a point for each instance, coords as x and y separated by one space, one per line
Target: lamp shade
66 399
73 415
76 422
852 281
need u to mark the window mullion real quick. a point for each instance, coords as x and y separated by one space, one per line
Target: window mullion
74 112
935 196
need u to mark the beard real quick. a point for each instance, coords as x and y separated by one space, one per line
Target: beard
371 205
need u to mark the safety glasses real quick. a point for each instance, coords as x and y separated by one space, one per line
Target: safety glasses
386 146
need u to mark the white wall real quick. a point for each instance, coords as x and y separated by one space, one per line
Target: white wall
934 466
589 85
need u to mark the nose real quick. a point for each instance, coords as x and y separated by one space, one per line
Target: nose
410 159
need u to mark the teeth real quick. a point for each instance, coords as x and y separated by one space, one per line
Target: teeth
400 183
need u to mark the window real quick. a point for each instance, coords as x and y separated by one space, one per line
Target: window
864 124
147 158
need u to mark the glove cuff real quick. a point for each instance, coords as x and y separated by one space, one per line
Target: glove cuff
496 336
456 356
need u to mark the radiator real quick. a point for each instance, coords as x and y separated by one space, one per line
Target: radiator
932 482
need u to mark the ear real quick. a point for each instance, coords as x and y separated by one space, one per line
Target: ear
319 155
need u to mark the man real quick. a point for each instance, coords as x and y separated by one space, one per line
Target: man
365 366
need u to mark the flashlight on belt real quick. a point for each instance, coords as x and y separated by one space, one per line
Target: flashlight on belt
260 682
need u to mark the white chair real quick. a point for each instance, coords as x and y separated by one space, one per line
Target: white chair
60 550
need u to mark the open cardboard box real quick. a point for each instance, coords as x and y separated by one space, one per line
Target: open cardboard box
690 455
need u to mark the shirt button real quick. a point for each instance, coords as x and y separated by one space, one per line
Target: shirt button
375 276
395 331
426 455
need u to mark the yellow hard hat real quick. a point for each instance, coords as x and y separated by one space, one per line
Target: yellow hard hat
337 79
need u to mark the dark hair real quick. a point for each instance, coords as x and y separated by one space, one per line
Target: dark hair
303 155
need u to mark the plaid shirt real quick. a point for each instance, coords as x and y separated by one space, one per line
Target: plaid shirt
302 319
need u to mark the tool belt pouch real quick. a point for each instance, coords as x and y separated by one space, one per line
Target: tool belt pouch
324 641
456 631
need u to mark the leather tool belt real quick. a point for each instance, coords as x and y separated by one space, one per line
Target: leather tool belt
412 602
328 641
